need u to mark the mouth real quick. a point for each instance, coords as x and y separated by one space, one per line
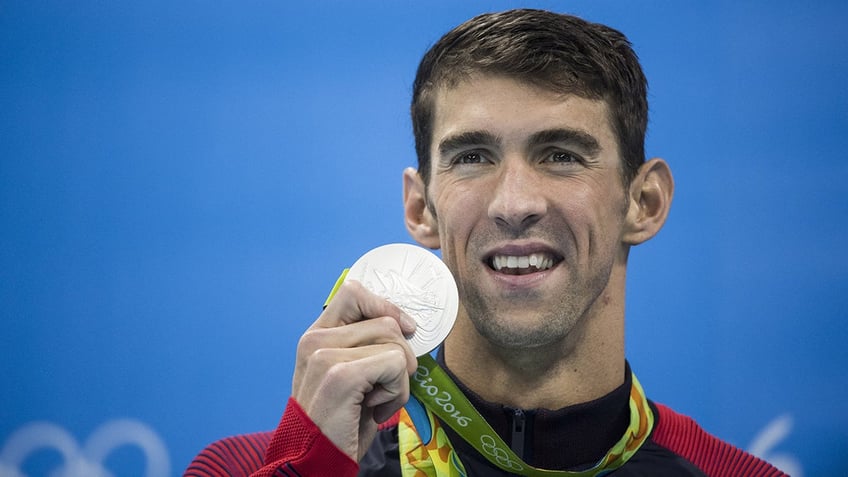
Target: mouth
522 264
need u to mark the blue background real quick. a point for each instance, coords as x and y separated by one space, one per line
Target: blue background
181 183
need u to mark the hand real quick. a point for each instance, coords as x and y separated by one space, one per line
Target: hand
353 366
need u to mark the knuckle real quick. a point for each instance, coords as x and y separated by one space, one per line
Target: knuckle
395 360
396 354
351 287
388 325
310 341
336 374
323 359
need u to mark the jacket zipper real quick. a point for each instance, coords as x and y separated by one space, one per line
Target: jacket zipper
518 427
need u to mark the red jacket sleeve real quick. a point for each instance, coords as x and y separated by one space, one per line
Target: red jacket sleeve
296 448
299 448
716 458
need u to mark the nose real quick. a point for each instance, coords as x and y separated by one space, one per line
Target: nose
518 199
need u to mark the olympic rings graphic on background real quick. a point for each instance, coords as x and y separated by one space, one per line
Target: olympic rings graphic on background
768 439
88 460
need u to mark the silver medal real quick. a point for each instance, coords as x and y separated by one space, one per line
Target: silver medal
419 283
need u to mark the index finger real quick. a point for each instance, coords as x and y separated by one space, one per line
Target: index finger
353 302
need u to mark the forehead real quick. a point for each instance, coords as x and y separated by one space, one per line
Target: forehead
513 110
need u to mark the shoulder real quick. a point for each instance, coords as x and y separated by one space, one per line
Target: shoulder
243 453
683 436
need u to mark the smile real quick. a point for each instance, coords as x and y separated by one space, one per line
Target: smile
522 264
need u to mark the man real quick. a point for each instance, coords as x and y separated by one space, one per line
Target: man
532 181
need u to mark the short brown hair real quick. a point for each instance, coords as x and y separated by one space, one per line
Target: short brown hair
558 52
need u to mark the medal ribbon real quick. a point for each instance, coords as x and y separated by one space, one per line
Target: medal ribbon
432 386
439 394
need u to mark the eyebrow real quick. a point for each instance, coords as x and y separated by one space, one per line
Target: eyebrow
585 141
465 139
577 137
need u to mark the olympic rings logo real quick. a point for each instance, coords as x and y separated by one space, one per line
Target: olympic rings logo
491 447
86 460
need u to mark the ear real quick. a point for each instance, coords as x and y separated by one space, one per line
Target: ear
650 192
420 223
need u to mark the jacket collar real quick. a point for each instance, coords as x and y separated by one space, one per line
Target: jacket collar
572 437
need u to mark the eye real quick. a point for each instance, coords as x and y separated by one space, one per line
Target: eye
563 157
470 157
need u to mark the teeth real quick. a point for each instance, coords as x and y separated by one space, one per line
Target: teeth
537 260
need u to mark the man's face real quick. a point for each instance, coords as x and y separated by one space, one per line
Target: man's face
528 200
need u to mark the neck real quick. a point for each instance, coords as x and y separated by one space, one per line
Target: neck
587 364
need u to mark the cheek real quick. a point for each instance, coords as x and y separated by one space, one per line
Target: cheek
458 213
594 216
455 224
457 209
602 197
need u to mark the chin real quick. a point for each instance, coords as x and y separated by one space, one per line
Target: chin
511 336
